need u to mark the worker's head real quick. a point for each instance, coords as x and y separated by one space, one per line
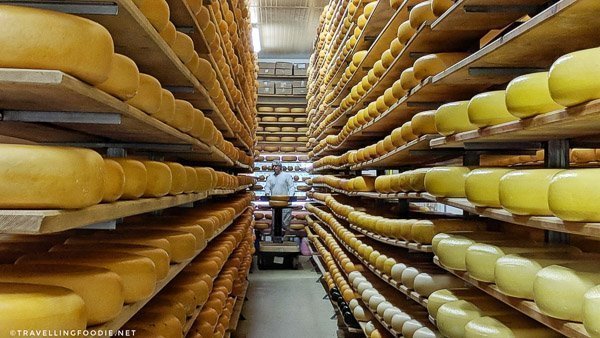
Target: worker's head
276 165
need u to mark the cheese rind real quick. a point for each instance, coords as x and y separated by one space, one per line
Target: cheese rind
156 11
572 195
573 78
525 192
482 186
453 118
114 181
159 179
591 311
529 95
136 177
507 326
446 181
149 96
488 109
123 79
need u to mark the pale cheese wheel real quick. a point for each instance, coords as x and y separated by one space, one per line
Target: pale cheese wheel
137 273
269 119
285 119
572 193
427 283
297 110
166 112
591 308
273 138
159 179
452 118
482 186
289 129
287 149
433 64
446 181
423 231
423 123
529 95
426 332
573 78
512 325
405 32
100 289
421 13
266 109
136 177
149 96
179 178
123 79
39 307
408 80
114 181
410 327
443 296
42 177
452 317
282 110
300 119
358 57
271 148
43 39
407 133
525 192
488 109
288 139
451 249
156 11
272 129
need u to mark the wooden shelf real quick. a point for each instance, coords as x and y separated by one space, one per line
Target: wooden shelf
285 124
282 77
282 95
393 242
303 114
284 143
284 102
280 133
527 307
237 308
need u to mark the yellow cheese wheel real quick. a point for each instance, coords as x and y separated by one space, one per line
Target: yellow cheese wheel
529 95
488 109
297 110
525 192
511 325
39 307
388 97
123 79
423 231
421 13
157 12
397 139
396 48
416 180
446 181
183 46
452 317
405 32
285 119
407 133
137 273
358 57
184 116
427 283
583 155
204 179
273 129
423 123
439 7
269 119
290 129
572 194
169 34
136 177
266 109
100 289
361 21
159 179
441 297
379 68
191 180
53 40
573 78
591 307
166 112
300 119
433 64
149 96
160 324
558 290
364 183
50 177
482 186
114 181
408 80
179 178
452 118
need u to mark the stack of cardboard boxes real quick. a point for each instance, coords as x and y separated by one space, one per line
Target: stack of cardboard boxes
281 87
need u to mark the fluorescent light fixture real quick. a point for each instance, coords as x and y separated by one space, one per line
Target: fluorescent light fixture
256 39
253 15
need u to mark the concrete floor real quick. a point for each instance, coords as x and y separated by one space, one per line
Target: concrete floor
286 304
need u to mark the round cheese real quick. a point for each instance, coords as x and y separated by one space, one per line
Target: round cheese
512 325
525 192
166 112
573 78
405 32
452 317
488 109
433 64
114 181
529 95
42 177
396 48
191 180
421 13
443 296
136 177
123 79
184 116
452 249
159 179
572 194
452 118
591 311
169 34
427 283
149 96
156 11
408 80
446 181
407 133
482 186
43 39
423 231
179 178
423 123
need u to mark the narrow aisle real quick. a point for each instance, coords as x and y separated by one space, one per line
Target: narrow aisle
286 303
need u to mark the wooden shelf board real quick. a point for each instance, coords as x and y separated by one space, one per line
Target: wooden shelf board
237 308
301 103
282 77
285 124
393 242
303 114
280 133
527 307
402 156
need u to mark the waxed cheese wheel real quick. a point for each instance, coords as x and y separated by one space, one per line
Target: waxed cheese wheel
266 109
407 133
511 325
572 194
159 179
591 311
423 123
285 119
488 109
123 79
156 11
183 46
160 324
529 95
287 139
166 112
204 180
452 317
525 192
408 80
482 186
149 96
573 78
137 273
272 129
297 110
446 181
300 119
114 181
41 39
136 177
169 34
100 289
433 64
423 231
405 32
42 177
421 13
39 307
443 296
452 118
184 116
451 249
282 110
191 180
179 178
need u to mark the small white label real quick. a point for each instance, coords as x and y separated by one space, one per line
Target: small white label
278 260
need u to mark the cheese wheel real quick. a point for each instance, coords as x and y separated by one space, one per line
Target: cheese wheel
184 116
582 155
100 289
379 68
272 129
407 133
482 186
166 112
123 79
159 179
529 95
488 109
288 139
398 321
573 78
358 57
452 118
451 249
203 179
156 11
426 332
405 32
433 64
269 119
53 40
446 181
512 325
191 180
572 193
149 96
169 34
266 109
452 317
408 80
42 177
39 307
282 110
297 110
285 119
137 273
443 296
439 7
161 324
183 46
525 192
423 231
421 13
136 177
416 180
179 178
287 149
591 310
427 283
423 123
396 48
114 181
300 119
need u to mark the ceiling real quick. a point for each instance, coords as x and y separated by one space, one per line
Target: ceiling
287 27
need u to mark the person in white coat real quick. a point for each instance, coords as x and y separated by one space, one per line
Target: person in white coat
280 183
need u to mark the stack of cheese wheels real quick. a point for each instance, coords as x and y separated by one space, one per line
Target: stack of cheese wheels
451 248
452 317
534 183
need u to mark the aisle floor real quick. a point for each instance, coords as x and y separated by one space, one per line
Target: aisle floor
286 304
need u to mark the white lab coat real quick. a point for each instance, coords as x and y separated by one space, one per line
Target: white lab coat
282 184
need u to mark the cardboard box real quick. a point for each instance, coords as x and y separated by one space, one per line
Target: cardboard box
266 71
299 84
301 69
265 65
266 84
284 65
299 91
284 72
266 90
283 84
283 91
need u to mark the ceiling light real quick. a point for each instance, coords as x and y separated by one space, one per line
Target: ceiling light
256 39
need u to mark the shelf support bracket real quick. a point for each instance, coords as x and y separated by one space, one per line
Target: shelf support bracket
503 71
71 7
60 117
556 155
